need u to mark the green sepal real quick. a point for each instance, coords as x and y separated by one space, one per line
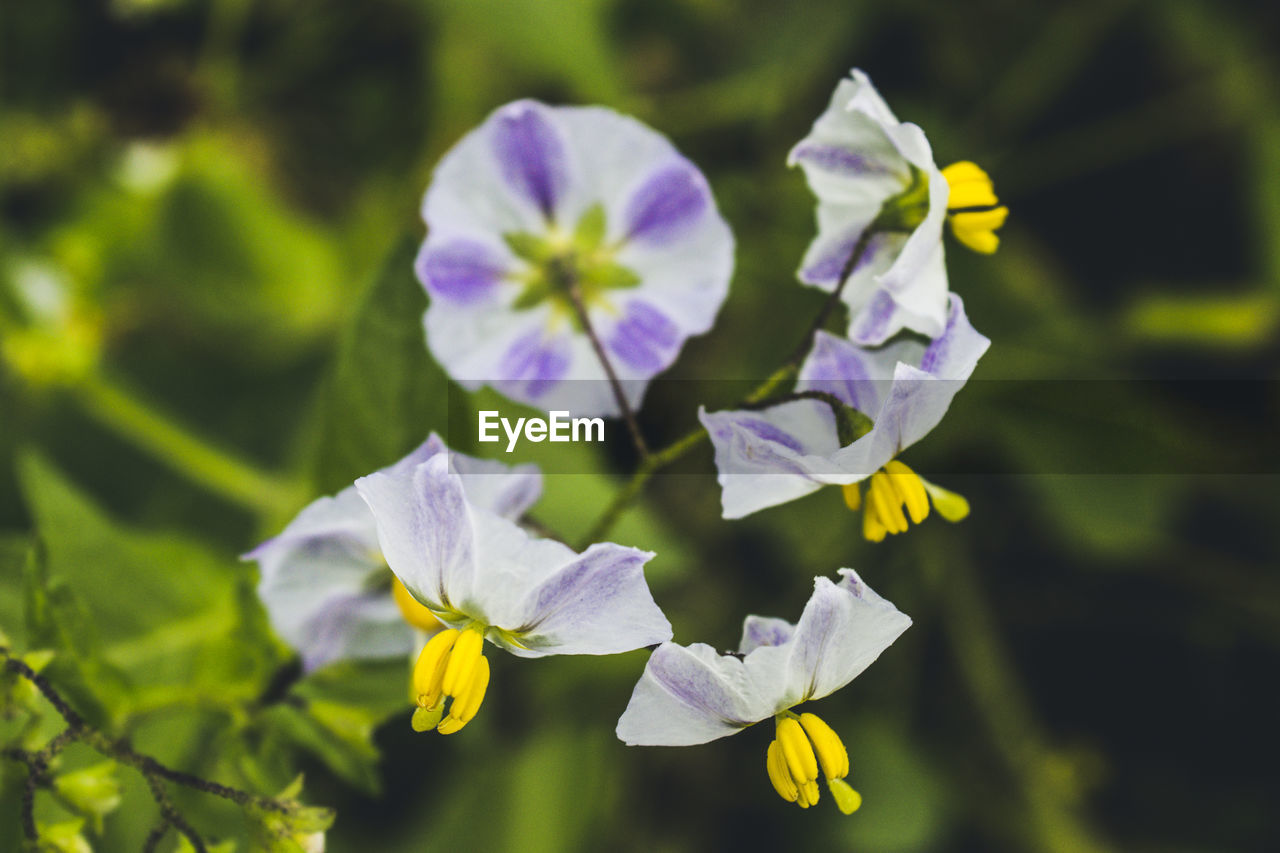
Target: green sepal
590 230
609 276
529 247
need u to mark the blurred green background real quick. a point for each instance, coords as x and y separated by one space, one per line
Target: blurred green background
207 217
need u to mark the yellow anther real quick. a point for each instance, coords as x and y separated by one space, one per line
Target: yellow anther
808 794
872 529
779 775
910 490
976 229
797 751
975 211
852 496
428 672
414 612
464 707
462 662
847 799
887 505
832 755
970 186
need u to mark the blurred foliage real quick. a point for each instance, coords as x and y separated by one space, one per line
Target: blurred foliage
210 207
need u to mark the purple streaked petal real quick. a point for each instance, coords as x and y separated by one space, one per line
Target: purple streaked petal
689 695
359 625
872 322
669 202
461 271
843 629
531 155
760 631
536 361
644 337
955 352
596 604
828 266
851 373
764 430
424 528
838 159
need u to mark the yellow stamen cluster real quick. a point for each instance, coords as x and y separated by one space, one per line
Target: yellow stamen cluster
973 210
415 613
894 494
804 745
451 666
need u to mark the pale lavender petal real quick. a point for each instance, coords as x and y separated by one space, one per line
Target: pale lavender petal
534 364
644 338
689 695
424 527
840 159
461 271
356 626
598 604
531 154
667 204
843 629
760 631
871 325
955 353
827 267
837 367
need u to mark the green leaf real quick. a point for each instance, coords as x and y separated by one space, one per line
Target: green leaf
159 608
385 393
340 736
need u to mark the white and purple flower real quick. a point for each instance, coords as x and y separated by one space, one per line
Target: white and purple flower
326 587
903 389
691 694
486 579
875 175
539 201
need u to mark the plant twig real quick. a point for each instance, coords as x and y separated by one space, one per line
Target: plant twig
619 394
651 463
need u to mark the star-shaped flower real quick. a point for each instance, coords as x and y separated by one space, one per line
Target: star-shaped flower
858 409
874 177
691 694
542 209
325 584
486 579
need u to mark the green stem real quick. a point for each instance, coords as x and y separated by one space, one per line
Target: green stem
653 462
217 470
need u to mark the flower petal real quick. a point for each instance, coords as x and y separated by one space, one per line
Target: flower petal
843 629
667 204
459 270
424 528
530 154
760 631
772 456
689 695
644 338
596 604
316 585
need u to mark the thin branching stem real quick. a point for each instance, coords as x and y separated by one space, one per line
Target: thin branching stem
761 397
619 394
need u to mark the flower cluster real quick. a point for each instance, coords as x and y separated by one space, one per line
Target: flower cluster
576 244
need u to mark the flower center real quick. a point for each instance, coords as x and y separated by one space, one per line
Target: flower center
560 264
451 667
802 746
973 210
